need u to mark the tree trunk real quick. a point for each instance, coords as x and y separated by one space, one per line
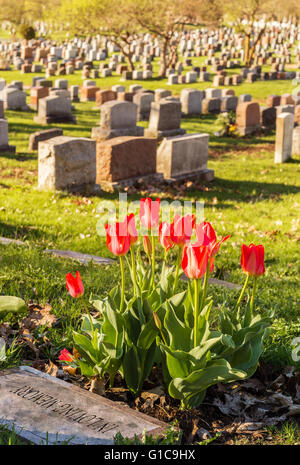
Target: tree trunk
125 49
130 62
247 50
252 50
163 58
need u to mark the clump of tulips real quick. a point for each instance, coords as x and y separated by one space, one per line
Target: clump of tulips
155 322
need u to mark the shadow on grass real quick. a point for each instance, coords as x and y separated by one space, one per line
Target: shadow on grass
247 191
23 233
21 156
226 192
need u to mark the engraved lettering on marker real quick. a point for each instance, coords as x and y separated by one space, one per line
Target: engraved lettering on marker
67 410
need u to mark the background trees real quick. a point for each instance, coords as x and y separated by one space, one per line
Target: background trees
121 20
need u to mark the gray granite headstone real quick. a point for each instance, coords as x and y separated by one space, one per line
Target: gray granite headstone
44 409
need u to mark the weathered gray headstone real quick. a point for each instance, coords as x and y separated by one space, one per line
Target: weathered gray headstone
284 137
44 409
296 141
39 136
14 99
4 146
66 162
191 101
165 119
143 101
54 109
117 119
184 156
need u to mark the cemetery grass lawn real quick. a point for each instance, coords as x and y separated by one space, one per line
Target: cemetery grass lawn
251 199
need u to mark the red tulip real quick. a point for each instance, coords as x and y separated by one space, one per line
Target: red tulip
118 239
206 236
182 229
165 236
74 285
147 245
195 260
252 259
65 356
149 213
130 219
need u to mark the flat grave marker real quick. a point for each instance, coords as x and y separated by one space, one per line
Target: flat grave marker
44 409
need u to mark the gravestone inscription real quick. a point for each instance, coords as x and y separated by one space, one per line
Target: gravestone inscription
42 408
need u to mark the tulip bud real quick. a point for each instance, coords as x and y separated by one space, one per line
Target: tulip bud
252 259
157 321
65 356
74 285
147 245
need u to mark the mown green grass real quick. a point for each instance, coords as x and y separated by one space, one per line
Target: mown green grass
251 199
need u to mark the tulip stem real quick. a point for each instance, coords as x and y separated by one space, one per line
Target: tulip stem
253 293
205 286
241 294
153 260
178 262
133 271
122 284
89 316
196 311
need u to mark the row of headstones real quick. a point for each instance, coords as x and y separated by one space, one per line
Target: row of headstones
69 162
220 79
70 51
56 104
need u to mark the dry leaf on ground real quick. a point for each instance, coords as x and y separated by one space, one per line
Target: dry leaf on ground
38 316
51 369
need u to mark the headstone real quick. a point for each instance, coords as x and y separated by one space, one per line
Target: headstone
117 88
213 93
247 118
66 162
191 101
284 137
296 141
4 146
54 109
134 88
39 136
103 96
268 117
245 98
88 94
229 103
14 99
117 119
184 156
273 100
43 409
160 94
61 84
36 93
74 93
143 101
165 119
125 96
211 105
123 159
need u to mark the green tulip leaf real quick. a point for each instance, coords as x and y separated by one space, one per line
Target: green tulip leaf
11 304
